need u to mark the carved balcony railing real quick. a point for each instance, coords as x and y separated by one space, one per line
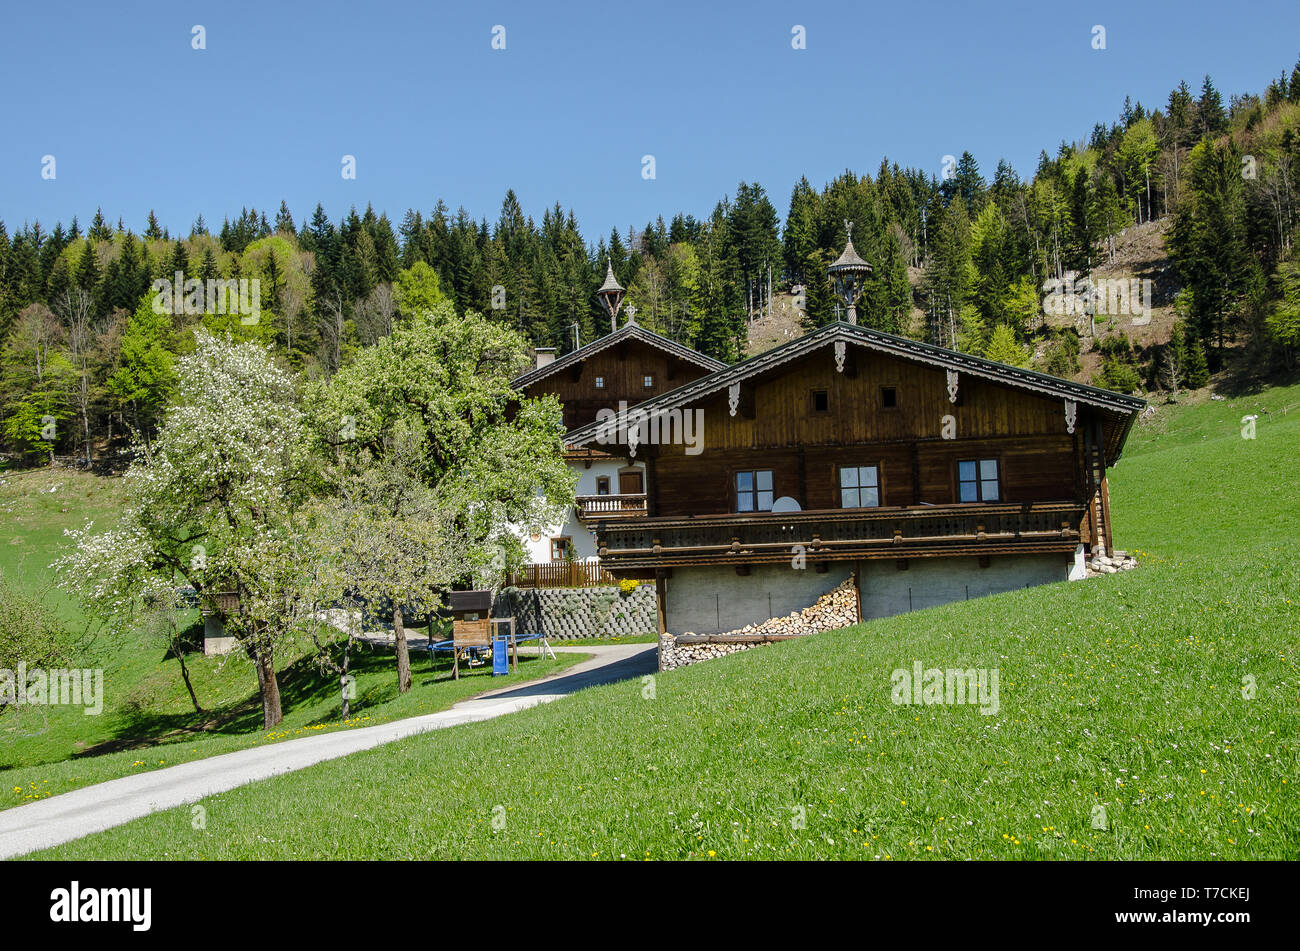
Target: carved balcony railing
592 508
841 534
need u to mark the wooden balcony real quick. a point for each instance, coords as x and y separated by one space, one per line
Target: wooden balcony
560 574
841 535
591 508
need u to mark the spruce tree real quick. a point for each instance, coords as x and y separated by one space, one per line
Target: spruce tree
208 269
88 268
99 229
180 260
1209 110
1196 371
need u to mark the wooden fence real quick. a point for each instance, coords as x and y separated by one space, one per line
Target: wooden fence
561 574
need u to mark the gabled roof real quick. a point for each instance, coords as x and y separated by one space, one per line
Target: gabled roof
629 331
879 341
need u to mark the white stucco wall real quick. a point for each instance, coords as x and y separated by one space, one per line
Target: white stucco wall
933 581
707 600
584 543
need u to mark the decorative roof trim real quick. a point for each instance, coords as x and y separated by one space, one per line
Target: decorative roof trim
630 330
878 340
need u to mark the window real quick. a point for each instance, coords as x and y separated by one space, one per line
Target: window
889 397
600 382
859 487
560 548
977 480
602 485
821 401
649 381
754 491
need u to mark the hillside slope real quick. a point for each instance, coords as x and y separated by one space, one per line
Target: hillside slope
1150 714
1140 254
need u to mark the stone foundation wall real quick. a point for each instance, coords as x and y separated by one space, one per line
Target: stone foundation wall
835 609
570 613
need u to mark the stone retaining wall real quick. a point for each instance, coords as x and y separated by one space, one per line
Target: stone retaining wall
835 609
570 613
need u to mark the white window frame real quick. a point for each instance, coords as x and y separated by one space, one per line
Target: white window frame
859 486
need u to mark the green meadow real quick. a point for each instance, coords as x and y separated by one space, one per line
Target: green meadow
1144 715
148 721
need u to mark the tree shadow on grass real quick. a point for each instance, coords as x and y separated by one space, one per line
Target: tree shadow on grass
302 684
1242 379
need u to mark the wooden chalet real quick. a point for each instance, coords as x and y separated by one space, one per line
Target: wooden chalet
926 474
631 364
623 368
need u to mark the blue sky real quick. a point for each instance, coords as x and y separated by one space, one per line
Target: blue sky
137 119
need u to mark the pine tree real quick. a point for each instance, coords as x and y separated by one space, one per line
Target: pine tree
88 268
967 182
99 230
284 220
180 260
152 231
1004 348
1210 116
819 295
208 269
125 290
800 236
1196 371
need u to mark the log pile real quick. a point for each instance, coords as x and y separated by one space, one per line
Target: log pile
835 609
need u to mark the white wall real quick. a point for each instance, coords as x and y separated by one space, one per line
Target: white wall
932 581
707 600
584 543
710 599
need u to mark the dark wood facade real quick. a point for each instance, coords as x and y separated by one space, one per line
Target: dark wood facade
839 401
631 366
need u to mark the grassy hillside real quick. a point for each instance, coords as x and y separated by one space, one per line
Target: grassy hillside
1124 692
148 720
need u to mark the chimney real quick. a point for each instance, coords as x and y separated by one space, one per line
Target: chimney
543 356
